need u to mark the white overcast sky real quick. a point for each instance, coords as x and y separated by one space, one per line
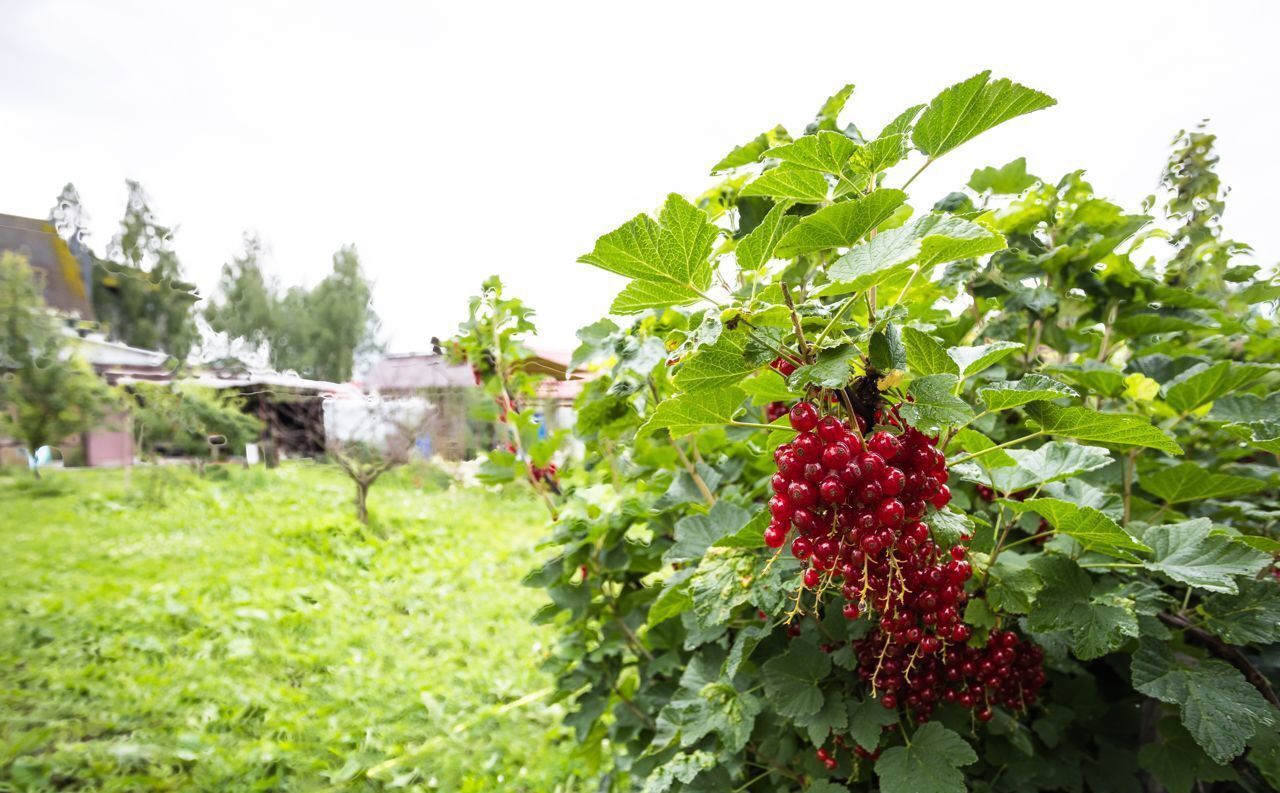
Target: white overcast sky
450 141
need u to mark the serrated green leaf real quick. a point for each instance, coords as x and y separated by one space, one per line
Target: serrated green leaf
1189 482
831 716
751 535
840 225
969 108
1192 553
716 366
1251 616
669 258
689 413
1099 621
681 768
832 369
719 585
750 152
768 387
972 360
1015 393
1203 383
1086 525
673 600
880 154
886 350
927 240
791 680
948 527
1111 428
1052 462
756 249
925 355
935 407
828 114
1220 709
1177 761
798 184
824 151
1246 408
866 718
1012 583
1009 179
694 534
1094 377
930 764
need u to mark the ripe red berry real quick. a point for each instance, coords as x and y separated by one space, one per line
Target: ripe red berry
780 507
832 490
884 444
836 456
801 548
830 429
782 366
890 512
811 578
941 498
807 447
775 535
850 611
802 494
804 416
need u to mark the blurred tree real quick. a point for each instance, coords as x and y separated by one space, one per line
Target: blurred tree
69 217
246 306
139 292
47 394
1196 202
183 418
318 332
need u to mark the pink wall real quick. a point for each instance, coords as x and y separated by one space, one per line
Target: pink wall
107 448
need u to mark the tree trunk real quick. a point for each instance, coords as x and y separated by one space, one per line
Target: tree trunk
362 499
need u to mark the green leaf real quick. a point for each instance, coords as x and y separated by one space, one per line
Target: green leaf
750 152
1111 428
1012 583
694 534
880 154
1246 408
1189 482
866 718
768 387
751 535
1177 762
756 249
840 225
935 407
1009 179
832 368
1220 709
824 151
688 413
1015 393
716 366
927 240
970 108
1094 377
791 680
673 600
1192 554
1052 462
669 259
948 527
1250 617
720 585
681 768
930 764
830 111
1086 525
925 355
833 715
972 360
1099 621
799 184
1203 383
886 350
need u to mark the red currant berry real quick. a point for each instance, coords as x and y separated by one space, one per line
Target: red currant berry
804 416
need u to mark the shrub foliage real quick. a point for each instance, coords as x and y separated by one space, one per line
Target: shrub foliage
1110 427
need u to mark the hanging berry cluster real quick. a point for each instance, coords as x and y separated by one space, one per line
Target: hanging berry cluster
857 500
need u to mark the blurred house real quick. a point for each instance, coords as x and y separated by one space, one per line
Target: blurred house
419 393
67 275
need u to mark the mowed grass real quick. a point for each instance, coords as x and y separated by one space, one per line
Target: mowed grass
242 632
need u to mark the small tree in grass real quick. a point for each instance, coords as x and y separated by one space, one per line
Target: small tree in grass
369 438
47 394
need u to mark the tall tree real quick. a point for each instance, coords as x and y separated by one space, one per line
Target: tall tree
318 332
245 306
46 393
70 218
139 293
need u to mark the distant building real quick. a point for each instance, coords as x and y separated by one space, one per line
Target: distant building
67 277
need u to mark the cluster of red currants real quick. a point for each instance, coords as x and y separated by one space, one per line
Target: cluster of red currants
541 473
1008 671
856 501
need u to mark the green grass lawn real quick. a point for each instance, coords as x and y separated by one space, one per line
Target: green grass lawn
242 632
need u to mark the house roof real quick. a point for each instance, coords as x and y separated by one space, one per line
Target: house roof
417 371
65 289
